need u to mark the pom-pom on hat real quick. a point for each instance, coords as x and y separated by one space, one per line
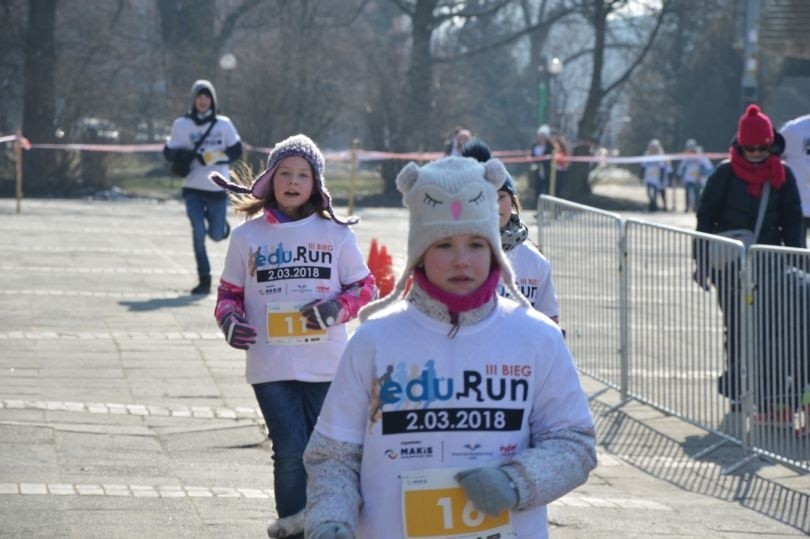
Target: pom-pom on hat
450 196
754 128
295 146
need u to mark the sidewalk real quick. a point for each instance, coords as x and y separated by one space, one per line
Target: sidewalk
123 413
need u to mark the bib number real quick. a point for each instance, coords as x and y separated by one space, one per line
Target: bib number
286 326
434 506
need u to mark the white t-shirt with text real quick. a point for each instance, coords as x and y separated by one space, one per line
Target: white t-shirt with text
417 399
185 134
281 267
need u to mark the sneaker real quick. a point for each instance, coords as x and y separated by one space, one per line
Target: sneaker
291 526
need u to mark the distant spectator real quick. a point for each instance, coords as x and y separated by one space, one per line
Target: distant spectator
656 175
561 162
457 140
690 170
706 169
542 147
797 157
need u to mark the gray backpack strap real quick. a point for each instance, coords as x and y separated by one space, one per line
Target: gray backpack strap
763 203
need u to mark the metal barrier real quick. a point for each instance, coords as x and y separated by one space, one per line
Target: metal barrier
732 356
584 247
778 316
680 332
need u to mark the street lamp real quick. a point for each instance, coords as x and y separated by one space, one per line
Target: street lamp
550 68
227 63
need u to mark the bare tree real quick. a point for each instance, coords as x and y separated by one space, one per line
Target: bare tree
192 40
426 16
40 102
597 13
673 95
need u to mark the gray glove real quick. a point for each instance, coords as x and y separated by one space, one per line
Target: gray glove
489 489
330 530
321 314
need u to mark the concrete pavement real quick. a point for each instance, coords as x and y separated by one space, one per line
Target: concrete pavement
123 413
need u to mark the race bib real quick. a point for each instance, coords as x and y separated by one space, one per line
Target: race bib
434 506
286 326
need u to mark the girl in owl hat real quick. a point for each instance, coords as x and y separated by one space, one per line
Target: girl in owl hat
451 363
293 277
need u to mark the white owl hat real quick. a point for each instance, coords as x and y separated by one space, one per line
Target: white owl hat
453 195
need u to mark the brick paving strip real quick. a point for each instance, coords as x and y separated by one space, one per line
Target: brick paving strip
177 491
203 412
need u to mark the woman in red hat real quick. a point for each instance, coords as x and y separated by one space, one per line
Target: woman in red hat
731 201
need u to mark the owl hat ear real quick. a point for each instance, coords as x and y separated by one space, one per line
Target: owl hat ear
407 177
448 197
495 173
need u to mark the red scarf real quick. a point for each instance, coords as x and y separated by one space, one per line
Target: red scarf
756 174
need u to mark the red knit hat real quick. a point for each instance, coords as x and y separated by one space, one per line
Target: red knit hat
755 128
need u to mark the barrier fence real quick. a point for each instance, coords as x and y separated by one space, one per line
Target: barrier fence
733 359
353 156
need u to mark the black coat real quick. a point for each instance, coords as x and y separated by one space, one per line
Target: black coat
725 204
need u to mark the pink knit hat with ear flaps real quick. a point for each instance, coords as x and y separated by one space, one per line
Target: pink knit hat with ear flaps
295 146
754 128
447 197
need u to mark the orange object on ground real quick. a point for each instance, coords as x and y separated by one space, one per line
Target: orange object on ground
380 265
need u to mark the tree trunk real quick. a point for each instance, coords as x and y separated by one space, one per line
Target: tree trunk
39 109
579 188
187 31
418 130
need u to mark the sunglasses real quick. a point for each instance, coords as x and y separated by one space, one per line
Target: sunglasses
756 149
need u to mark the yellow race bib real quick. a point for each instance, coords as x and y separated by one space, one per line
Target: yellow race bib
434 506
286 326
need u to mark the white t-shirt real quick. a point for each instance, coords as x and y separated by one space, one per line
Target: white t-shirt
655 173
533 277
797 156
185 134
417 399
281 267
690 170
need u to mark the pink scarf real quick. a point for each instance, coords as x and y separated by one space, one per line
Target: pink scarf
455 303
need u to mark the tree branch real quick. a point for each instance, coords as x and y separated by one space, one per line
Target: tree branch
229 24
546 23
647 47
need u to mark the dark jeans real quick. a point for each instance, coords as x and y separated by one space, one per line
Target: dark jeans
290 409
727 284
652 196
206 211
692 195
540 181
